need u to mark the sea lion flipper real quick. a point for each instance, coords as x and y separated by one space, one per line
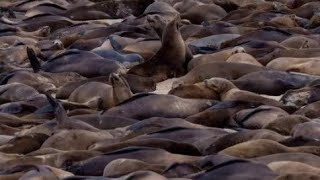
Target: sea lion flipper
35 64
60 112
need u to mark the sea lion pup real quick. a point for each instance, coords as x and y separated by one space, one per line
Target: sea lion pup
302 65
263 147
220 56
220 69
120 167
291 167
229 92
242 136
285 124
272 82
102 96
168 62
155 105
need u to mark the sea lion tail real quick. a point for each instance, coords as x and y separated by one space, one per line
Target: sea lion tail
35 63
60 112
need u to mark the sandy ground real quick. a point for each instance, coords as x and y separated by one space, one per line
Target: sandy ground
164 86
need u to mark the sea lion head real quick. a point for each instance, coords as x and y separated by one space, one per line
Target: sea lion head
237 49
121 88
219 85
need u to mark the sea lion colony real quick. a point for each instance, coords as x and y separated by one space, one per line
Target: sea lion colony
79 100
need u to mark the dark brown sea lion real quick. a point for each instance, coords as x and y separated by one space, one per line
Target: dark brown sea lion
168 62
224 70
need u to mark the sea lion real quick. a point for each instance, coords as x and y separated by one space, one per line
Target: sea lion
229 92
256 118
224 70
272 82
285 124
298 42
220 56
289 53
128 60
305 158
301 65
199 13
242 136
122 167
310 110
148 155
100 95
243 58
167 62
302 96
24 144
290 167
154 105
307 129
236 169
74 139
263 147
88 64
219 115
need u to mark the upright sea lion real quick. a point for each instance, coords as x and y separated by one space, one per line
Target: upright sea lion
168 62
